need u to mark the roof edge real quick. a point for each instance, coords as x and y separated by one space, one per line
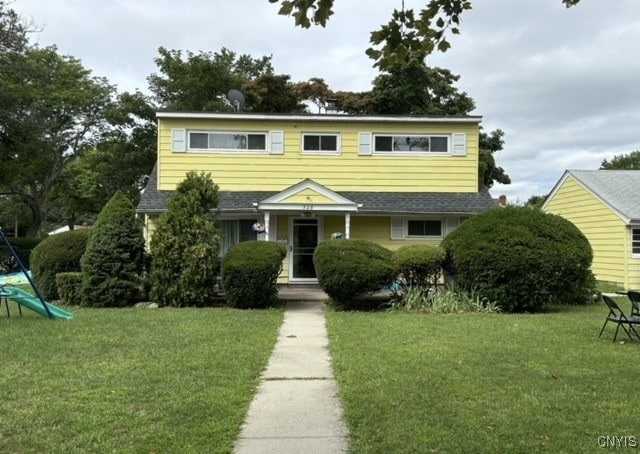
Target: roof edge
464 119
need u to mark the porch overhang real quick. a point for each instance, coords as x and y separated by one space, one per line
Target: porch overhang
308 197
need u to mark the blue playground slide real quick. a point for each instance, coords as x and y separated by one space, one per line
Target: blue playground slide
33 303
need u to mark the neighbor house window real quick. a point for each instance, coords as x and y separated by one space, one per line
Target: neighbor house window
235 231
635 242
320 143
410 144
228 141
424 228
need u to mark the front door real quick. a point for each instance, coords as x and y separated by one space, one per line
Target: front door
305 233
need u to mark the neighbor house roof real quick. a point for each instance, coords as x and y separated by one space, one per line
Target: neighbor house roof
154 201
618 189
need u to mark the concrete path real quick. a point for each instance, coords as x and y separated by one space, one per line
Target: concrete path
296 409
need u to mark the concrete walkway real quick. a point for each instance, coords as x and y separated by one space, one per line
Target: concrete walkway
296 409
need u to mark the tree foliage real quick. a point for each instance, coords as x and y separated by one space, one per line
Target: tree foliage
112 263
273 93
53 113
488 171
198 82
184 247
405 34
628 161
413 88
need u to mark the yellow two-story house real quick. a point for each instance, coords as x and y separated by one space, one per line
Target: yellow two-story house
301 179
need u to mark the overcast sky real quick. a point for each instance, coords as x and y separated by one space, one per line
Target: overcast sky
563 84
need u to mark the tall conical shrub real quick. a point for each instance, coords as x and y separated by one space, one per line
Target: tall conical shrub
112 263
185 244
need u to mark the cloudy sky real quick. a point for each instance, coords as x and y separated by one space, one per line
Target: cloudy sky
564 84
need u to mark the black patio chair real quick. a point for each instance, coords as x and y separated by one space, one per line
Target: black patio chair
634 297
618 317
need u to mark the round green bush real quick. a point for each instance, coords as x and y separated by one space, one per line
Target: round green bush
250 271
57 254
349 268
419 265
522 259
69 285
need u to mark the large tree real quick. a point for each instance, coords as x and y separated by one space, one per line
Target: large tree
406 33
200 82
52 113
414 88
273 93
628 161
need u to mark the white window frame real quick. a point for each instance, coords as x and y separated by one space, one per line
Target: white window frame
635 244
229 150
412 153
321 152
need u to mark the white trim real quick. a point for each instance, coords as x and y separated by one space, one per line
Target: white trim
365 146
274 203
335 152
179 140
459 144
323 118
276 142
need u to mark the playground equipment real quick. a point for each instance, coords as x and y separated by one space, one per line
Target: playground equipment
26 299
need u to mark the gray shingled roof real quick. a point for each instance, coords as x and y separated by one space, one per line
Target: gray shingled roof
620 189
154 201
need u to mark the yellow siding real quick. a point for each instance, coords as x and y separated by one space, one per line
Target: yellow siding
149 227
378 230
344 172
604 229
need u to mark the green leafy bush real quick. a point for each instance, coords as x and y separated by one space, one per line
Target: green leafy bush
349 268
448 301
69 287
419 265
185 245
21 246
57 254
250 271
522 259
112 264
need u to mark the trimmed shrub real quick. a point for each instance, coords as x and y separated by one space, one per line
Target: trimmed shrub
57 254
69 287
23 247
112 264
522 259
250 271
349 268
185 245
419 265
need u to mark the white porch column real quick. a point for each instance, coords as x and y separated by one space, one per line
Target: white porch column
266 226
347 225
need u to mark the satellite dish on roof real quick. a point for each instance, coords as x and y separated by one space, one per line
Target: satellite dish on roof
236 98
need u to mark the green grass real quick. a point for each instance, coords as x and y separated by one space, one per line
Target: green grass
484 383
130 380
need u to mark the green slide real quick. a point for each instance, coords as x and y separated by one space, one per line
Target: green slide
29 301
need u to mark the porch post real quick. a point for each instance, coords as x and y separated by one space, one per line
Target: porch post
347 225
266 226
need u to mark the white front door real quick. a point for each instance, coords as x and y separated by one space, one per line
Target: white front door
305 235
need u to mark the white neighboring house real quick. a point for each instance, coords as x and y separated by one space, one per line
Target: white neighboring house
65 228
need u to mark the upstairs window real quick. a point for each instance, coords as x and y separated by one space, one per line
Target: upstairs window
228 141
320 143
411 144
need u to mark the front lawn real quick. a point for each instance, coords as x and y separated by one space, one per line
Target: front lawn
130 380
485 383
